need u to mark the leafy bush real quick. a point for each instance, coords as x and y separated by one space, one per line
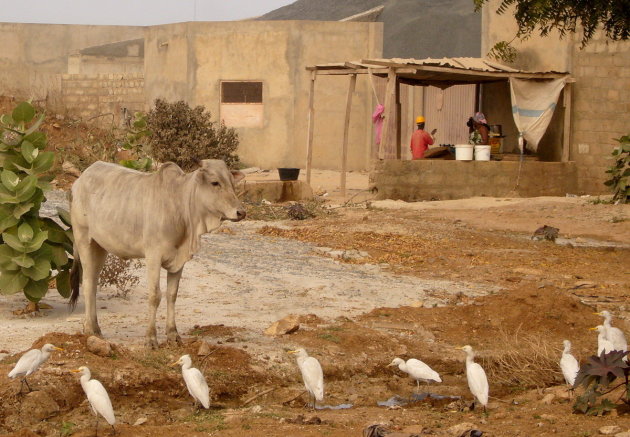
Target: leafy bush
135 141
118 273
33 249
185 136
596 375
619 181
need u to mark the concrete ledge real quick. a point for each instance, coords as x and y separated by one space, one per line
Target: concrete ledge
274 191
443 180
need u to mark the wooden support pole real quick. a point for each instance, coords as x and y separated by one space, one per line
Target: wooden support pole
398 121
389 125
566 136
311 126
346 131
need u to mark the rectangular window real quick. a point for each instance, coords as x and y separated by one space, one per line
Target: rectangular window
241 92
242 104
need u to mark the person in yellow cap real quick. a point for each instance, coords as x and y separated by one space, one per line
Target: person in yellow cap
421 139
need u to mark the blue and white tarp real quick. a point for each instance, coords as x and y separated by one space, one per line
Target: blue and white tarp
533 103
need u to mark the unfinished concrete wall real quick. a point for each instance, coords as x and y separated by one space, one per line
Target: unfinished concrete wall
189 61
102 99
443 180
601 112
33 55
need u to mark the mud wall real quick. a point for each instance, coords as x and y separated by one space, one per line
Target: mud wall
443 180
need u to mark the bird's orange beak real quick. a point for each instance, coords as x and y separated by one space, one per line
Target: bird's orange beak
75 371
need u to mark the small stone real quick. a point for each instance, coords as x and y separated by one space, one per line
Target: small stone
609 430
548 399
256 409
98 346
287 325
140 421
204 349
459 429
70 169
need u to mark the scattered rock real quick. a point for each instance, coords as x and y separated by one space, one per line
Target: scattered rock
70 169
301 420
98 346
609 430
204 349
548 399
140 421
545 232
37 406
461 429
376 430
584 284
287 325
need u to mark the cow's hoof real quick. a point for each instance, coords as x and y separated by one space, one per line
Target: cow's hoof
174 339
151 343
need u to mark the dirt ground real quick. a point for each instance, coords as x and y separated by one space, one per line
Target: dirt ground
446 274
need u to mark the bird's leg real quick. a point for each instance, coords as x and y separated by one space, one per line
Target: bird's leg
28 386
417 386
96 427
114 430
472 406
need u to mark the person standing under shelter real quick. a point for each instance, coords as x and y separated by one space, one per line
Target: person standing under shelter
420 139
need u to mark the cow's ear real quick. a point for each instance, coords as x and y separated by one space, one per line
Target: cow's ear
237 176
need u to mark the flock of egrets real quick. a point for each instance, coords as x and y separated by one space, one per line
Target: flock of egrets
609 338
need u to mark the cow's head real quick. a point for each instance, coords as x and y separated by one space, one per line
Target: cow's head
215 190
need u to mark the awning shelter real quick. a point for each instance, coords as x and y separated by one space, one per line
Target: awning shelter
441 73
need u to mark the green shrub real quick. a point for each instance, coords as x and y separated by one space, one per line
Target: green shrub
186 135
33 249
619 181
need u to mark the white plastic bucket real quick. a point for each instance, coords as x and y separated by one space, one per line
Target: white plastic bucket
463 152
482 153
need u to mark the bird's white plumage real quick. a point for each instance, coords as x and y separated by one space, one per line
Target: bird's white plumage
476 376
195 381
568 364
312 374
31 360
603 344
417 370
97 396
613 334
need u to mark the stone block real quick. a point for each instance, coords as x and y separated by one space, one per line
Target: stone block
275 191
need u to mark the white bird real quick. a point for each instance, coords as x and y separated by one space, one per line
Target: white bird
476 376
97 397
603 344
195 381
614 335
417 370
30 362
312 374
569 364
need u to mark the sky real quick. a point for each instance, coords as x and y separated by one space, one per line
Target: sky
132 12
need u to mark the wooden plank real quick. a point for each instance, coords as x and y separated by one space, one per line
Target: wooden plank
398 121
311 127
389 124
566 136
346 131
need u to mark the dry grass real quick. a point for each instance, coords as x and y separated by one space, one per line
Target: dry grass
524 361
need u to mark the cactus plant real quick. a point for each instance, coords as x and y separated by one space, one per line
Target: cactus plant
33 249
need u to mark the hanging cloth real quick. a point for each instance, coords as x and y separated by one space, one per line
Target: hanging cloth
533 103
377 119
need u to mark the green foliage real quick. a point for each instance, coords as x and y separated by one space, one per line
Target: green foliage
185 136
567 16
135 141
619 181
67 429
33 250
503 51
596 376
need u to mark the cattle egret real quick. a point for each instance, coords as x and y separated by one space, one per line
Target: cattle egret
30 362
603 344
312 374
97 397
417 370
476 376
614 335
569 364
195 382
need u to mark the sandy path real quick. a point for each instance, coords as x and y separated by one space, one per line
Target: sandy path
243 280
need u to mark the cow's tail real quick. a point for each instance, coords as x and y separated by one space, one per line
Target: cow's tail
75 279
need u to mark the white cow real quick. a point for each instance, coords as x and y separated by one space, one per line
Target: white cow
157 216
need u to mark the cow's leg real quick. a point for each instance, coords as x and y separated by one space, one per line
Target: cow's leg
172 286
92 258
155 295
